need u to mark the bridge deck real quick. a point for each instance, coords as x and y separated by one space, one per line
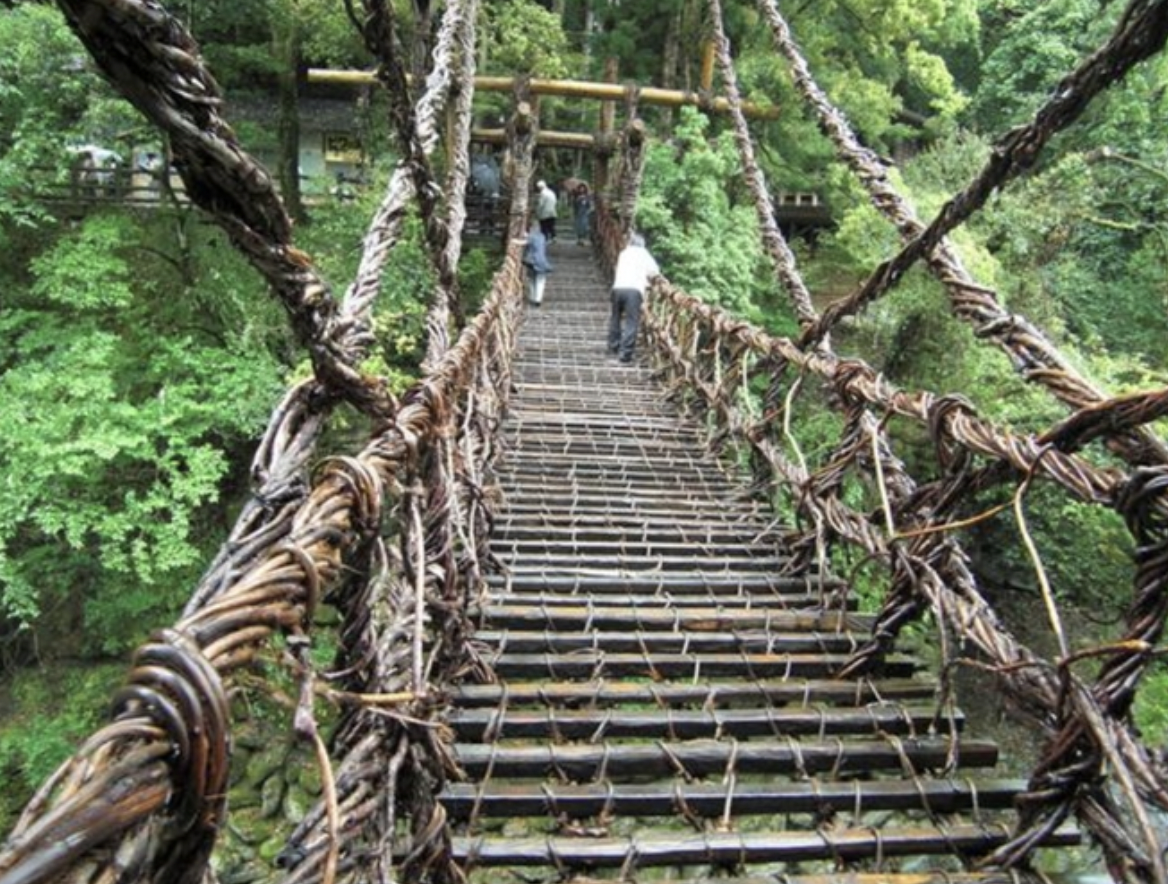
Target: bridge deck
665 694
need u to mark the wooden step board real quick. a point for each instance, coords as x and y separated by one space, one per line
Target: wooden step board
666 693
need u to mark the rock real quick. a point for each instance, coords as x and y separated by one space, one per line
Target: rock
262 765
308 778
272 796
296 804
271 848
244 873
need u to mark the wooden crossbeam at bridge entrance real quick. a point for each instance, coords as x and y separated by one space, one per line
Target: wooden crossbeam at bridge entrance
572 89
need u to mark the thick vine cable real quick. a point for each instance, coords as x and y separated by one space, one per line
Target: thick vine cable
281 460
383 38
1140 33
127 799
384 649
1037 685
1029 351
175 699
773 240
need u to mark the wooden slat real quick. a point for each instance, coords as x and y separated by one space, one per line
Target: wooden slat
663 600
519 472
624 543
585 763
633 641
592 665
647 508
735 849
602 489
640 581
576 617
637 566
485 726
705 694
608 524
712 800
621 544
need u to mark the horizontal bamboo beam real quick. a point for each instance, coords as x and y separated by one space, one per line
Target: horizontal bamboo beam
543 138
567 89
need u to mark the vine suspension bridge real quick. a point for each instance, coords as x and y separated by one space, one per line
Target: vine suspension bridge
575 644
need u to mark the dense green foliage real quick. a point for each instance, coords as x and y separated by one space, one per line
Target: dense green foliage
126 410
707 240
47 712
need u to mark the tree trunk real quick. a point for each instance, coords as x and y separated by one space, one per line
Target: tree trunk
423 20
287 39
589 32
672 51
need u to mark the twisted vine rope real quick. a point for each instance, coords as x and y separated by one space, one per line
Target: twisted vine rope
281 460
1028 350
677 323
923 569
144 798
393 763
137 774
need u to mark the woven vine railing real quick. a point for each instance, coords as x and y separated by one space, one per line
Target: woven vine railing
393 536
747 387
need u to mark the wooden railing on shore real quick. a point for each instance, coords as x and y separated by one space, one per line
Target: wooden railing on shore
86 189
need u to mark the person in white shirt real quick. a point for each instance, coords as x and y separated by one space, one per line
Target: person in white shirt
545 210
634 268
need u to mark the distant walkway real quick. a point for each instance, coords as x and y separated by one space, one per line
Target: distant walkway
665 694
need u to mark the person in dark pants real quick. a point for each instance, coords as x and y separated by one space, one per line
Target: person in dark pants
545 210
634 268
582 213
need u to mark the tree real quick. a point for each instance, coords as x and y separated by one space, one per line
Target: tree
886 63
525 38
125 411
1029 47
50 99
705 239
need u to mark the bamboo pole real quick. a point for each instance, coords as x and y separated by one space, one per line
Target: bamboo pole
608 107
707 83
579 140
568 89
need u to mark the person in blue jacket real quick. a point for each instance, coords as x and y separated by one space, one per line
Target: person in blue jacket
535 259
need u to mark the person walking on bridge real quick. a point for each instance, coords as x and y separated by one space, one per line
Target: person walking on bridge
634 268
535 259
582 213
545 210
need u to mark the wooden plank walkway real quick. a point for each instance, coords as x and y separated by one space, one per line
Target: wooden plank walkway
665 705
